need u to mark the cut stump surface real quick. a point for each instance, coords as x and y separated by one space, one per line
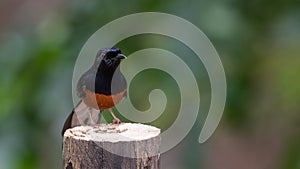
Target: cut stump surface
112 146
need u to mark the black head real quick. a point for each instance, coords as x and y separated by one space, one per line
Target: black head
108 58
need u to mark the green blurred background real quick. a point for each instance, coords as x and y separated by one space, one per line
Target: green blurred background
257 40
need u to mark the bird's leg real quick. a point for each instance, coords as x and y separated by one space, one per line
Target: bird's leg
91 116
116 120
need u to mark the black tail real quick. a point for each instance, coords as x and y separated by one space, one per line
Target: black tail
68 123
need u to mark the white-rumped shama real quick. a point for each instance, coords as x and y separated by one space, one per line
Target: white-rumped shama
99 88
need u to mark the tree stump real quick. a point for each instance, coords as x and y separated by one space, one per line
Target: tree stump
112 146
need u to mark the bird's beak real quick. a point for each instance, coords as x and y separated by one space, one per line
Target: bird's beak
120 56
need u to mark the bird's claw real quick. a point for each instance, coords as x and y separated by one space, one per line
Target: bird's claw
116 121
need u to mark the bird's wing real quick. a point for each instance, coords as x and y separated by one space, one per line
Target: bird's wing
87 81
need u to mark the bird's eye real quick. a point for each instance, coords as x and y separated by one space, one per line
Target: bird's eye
110 54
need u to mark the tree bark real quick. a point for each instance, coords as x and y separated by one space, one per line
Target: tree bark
112 146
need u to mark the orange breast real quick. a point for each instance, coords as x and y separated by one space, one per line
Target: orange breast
101 101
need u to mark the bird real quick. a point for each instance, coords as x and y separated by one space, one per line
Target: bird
100 88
